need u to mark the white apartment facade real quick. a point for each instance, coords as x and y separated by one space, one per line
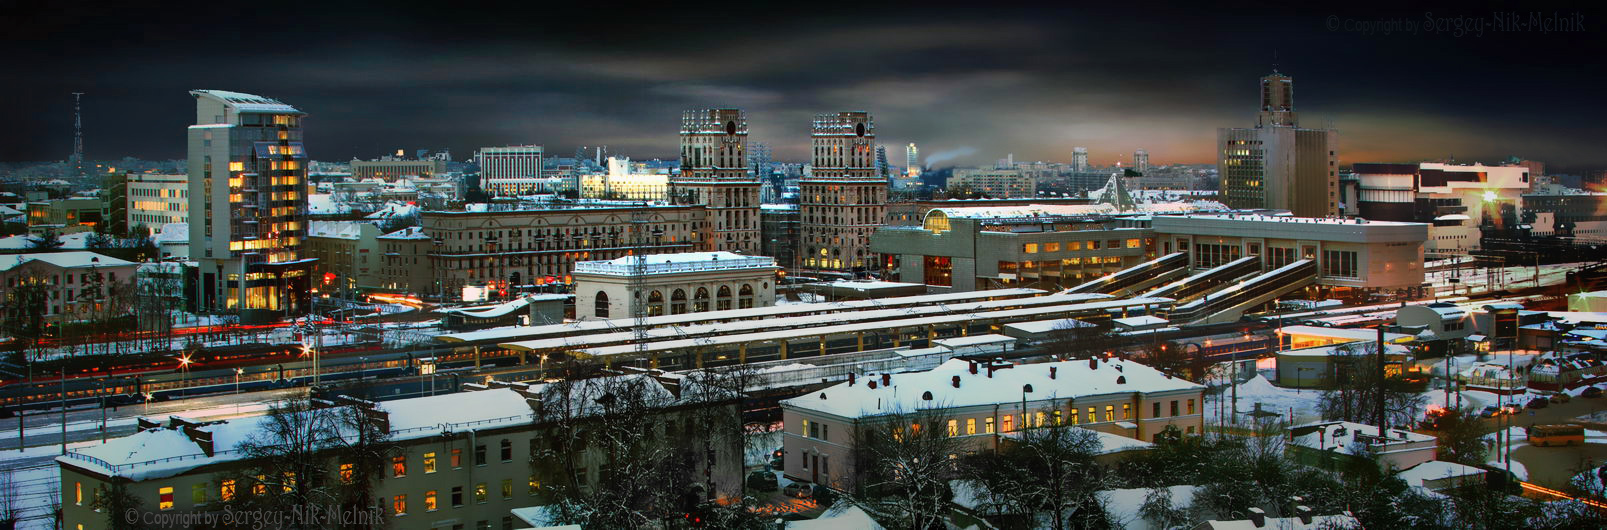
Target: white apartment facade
510 171
673 284
155 200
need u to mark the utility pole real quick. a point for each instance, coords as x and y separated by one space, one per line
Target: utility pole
1382 421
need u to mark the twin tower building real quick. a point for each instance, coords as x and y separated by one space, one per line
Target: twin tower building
842 200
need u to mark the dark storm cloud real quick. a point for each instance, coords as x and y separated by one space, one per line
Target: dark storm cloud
1032 82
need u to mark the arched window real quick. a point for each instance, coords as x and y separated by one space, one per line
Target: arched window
601 309
722 298
745 297
700 301
655 304
678 302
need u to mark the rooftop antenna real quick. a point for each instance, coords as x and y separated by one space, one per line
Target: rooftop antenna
78 135
1274 61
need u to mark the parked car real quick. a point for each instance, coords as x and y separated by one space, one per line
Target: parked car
776 460
1591 392
1490 411
1538 403
1561 397
1510 409
762 481
798 489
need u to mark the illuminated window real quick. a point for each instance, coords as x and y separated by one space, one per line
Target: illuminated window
260 487
1058 418
1009 423
480 492
970 426
954 427
1110 413
806 428
457 458
78 493
1038 419
1127 410
535 485
429 462
429 501
226 490
1030 248
1051 247
1074 245
399 504
237 166
507 488
1135 243
1191 406
1091 418
399 466
164 498
988 424
347 471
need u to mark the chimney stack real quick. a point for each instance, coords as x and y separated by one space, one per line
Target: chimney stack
1258 517
1305 514
1093 363
887 379
956 381
973 367
850 379
1052 370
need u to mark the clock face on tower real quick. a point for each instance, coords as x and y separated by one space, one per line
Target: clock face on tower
859 129
730 127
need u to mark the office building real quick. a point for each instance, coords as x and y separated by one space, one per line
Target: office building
1079 159
1278 165
714 174
626 181
66 215
843 200
780 233
993 183
390 169
1457 201
404 261
912 160
248 205
673 284
511 171
154 200
348 254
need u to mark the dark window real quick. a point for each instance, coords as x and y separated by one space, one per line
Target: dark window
507 450
479 450
1174 407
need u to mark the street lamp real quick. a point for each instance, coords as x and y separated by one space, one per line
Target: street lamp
237 373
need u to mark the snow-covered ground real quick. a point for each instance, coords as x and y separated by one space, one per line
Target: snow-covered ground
1300 403
1476 280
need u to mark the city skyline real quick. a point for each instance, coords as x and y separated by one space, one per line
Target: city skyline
969 86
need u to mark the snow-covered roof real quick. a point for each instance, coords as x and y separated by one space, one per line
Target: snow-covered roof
247 102
674 263
1332 349
973 340
1341 436
1072 380
870 285
1071 210
840 516
1125 506
1286 523
429 415
66 260
394 209
173 233
505 308
411 232
73 241
1108 443
324 204
1436 470
1037 327
1139 321
524 332
351 230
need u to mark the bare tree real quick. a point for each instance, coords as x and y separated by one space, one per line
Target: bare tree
10 508
287 464
903 463
1358 387
1064 477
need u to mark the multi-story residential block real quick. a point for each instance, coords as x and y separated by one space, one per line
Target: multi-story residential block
506 250
1277 164
348 254
673 284
982 404
154 200
405 261
65 215
390 168
1079 159
511 171
1455 200
844 199
71 285
993 183
456 460
248 205
714 174
625 181
1141 160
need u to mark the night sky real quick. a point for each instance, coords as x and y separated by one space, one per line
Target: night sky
974 83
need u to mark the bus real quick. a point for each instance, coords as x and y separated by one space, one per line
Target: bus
1549 435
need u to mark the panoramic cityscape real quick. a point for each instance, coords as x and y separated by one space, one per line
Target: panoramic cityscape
892 268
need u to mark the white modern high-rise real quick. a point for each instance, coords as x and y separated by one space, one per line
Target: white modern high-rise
248 205
512 170
1140 160
1079 159
912 160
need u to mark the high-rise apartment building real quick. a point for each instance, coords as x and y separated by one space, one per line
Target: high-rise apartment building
1079 159
912 160
248 205
155 200
714 173
843 200
1276 164
510 171
883 168
1140 160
